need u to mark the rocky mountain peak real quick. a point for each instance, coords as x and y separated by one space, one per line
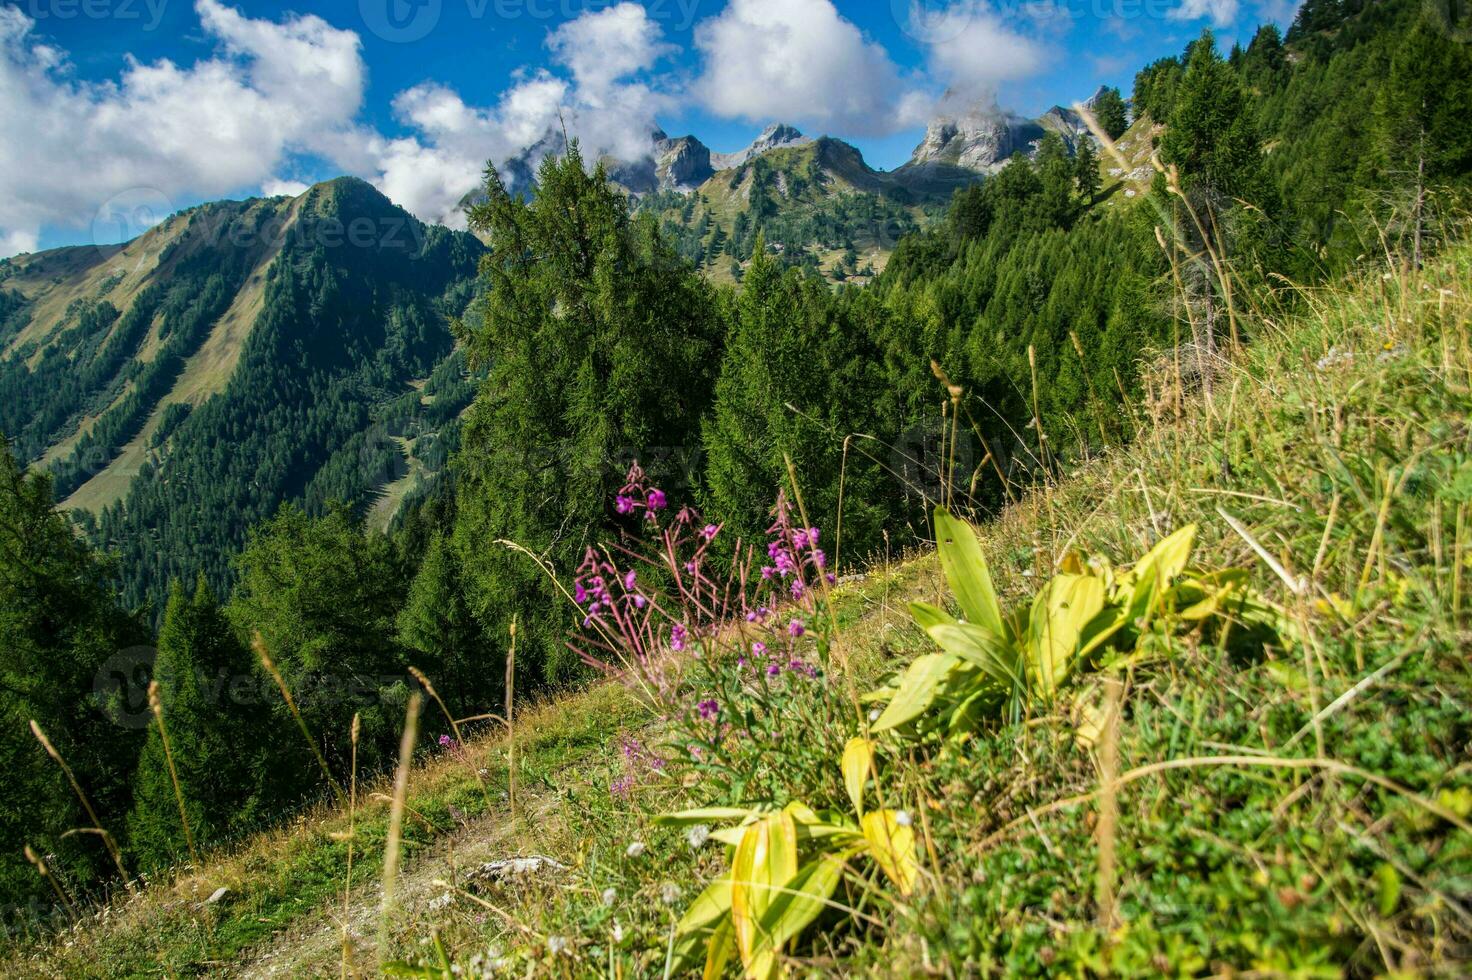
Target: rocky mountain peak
774 137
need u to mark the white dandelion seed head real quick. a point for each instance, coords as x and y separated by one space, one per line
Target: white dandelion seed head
696 836
635 849
669 893
610 895
903 818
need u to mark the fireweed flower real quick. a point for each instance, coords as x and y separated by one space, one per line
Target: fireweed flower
631 579
795 628
446 741
759 649
774 670
678 637
624 505
710 531
708 710
656 499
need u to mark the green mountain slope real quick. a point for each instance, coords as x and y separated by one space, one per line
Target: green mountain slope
238 355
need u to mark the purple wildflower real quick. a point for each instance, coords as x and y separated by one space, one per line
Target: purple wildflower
656 499
678 637
768 571
759 649
623 504
708 710
631 579
774 670
795 628
446 741
579 594
710 531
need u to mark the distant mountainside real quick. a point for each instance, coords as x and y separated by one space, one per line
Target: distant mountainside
239 354
794 195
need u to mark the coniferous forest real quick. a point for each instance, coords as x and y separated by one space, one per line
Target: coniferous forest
573 333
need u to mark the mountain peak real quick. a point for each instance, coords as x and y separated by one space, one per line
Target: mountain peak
774 137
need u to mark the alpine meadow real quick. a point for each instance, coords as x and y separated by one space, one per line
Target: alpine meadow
463 535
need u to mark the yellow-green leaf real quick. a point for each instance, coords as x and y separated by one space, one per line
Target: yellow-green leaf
921 685
722 941
765 860
802 900
1153 573
708 908
1066 605
980 648
858 766
709 814
892 845
925 615
966 572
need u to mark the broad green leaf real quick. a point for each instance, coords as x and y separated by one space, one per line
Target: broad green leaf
765 860
892 845
925 616
729 835
858 766
722 942
709 814
1061 611
1103 626
708 908
966 572
980 648
802 900
1152 575
921 685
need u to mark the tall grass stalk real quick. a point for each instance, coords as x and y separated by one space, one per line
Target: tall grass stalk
259 645
392 844
96 828
156 703
511 722
423 680
39 863
347 885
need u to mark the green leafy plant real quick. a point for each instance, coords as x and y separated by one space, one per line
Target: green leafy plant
785 866
993 665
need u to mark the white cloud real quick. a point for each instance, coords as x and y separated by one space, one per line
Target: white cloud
212 128
1223 13
972 48
603 104
797 61
604 46
277 187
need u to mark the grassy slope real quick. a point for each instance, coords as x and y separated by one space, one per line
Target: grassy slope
1339 441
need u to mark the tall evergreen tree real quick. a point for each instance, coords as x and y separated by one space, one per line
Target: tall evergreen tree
1086 171
63 644
323 595
1111 112
442 636
219 735
601 345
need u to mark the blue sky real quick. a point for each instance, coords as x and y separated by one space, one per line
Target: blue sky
115 112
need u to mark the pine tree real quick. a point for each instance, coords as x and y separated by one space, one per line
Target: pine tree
323 595
62 638
1086 171
218 735
601 346
442 636
1111 112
